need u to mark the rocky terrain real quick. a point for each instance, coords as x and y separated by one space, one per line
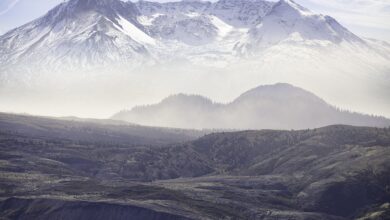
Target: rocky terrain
334 172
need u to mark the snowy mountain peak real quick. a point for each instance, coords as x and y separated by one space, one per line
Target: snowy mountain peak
103 6
289 23
290 6
78 34
79 9
89 32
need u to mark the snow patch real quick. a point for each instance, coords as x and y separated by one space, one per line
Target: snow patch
223 28
135 33
148 20
193 15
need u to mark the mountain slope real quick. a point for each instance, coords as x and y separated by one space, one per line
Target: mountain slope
79 33
287 20
279 106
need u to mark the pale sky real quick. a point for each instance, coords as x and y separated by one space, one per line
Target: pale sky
366 18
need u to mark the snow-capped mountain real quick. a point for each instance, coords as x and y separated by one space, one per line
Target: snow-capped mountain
279 106
99 32
85 47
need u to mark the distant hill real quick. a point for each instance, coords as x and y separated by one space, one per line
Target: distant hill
279 106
